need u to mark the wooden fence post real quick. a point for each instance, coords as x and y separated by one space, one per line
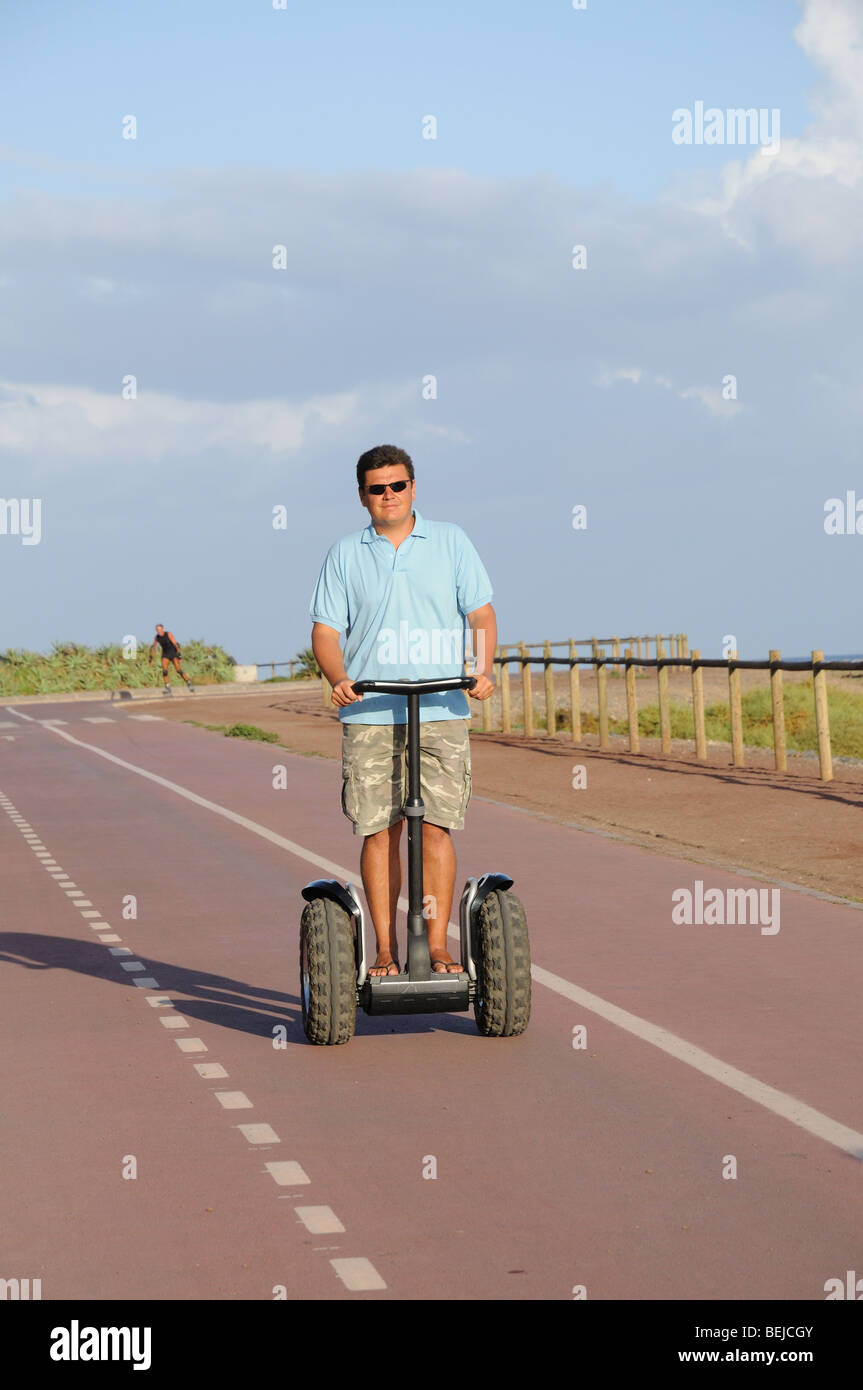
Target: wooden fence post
631 703
550 713
698 707
736 713
822 720
504 694
575 705
662 684
326 691
526 691
602 698
780 760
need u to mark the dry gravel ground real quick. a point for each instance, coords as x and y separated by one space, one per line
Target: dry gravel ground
788 827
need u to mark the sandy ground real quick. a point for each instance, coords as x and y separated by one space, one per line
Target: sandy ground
789 827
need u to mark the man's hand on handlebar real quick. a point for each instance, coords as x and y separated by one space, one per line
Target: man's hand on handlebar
343 693
482 690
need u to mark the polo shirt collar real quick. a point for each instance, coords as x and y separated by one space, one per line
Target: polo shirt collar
420 529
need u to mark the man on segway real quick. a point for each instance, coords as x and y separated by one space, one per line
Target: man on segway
401 590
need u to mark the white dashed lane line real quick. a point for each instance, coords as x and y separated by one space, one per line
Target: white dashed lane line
358 1274
233 1100
321 1221
259 1134
287 1174
355 1273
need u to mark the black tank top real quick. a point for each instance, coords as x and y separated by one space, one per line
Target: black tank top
168 647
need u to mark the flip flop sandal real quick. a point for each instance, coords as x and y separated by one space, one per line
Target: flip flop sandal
387 968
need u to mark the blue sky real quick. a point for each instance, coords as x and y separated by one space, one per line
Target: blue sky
517 88
259 387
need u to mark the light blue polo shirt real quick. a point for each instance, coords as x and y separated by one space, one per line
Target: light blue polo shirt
403 613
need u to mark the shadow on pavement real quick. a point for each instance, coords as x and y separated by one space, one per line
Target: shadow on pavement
209 998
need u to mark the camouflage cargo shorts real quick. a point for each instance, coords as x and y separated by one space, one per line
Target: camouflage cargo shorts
374 773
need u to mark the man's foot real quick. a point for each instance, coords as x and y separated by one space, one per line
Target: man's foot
384 965
167 690
189 686
443 964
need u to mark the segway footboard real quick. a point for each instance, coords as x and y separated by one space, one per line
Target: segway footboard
394 994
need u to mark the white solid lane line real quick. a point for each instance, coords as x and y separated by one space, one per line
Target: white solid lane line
777 1102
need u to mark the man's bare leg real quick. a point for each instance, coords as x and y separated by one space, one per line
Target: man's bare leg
380 865
439 866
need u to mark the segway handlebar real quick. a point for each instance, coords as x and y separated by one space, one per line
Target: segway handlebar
408 687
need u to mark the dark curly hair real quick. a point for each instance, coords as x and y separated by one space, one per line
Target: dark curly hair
380 457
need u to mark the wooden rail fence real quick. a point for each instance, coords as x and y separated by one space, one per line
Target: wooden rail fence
635 657
631 661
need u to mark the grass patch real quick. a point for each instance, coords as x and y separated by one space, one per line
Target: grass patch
236 731
845 712
251 731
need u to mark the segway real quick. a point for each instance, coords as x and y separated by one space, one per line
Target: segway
495 950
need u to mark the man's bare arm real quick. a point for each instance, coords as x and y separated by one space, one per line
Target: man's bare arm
484 627
328 655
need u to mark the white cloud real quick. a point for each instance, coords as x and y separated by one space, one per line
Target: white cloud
710 396
77 422
773 199
609 377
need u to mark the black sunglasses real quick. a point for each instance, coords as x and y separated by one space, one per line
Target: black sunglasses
378 489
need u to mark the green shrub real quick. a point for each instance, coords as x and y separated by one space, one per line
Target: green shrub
70 666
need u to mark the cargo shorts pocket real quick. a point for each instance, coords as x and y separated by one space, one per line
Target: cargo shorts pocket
349 793
466 791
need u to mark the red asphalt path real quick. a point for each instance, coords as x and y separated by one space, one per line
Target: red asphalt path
556 1166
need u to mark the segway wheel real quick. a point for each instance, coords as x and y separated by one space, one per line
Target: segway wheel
328 973
502 1000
